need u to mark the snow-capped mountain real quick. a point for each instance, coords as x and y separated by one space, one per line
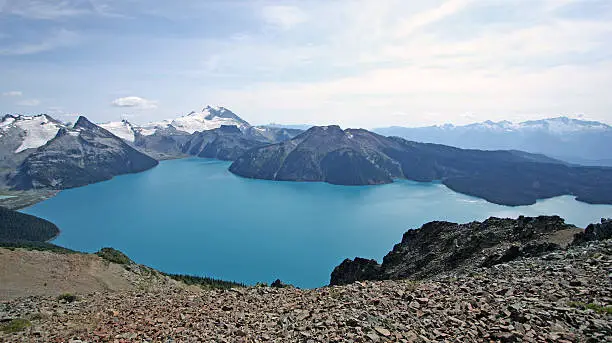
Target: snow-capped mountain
166 138
122 129
573 140
209 118
27 132
41 152
558 125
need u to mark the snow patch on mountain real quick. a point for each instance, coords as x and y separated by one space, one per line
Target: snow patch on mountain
209 118
557 126
38 130
122 129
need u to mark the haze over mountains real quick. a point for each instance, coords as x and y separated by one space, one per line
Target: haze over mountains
572 140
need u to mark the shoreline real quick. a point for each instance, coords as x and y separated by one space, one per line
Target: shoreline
22 199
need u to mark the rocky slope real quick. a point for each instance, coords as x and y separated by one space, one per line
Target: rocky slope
562 296
573 140
82 154
360 157
439 247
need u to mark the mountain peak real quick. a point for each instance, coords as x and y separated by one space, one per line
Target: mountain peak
84 123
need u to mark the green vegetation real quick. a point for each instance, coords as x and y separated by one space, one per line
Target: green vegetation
67 297
114 255
16 226
15 325
204 282
591 306
39 246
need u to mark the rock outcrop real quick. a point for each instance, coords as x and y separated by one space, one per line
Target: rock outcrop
596 232
360 157
440 247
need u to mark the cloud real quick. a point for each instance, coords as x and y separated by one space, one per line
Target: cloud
29 102
431 16
58 39
284 17
353 62
49 10
134 102
12 93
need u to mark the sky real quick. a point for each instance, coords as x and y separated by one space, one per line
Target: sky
357 63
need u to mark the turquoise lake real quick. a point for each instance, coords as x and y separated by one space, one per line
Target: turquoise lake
192 216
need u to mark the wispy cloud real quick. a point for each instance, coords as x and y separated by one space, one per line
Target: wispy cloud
284 17
354 62
13 93
58 39
135 102
51 10
29 102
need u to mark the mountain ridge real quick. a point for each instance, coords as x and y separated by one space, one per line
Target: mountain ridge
573 140
360 157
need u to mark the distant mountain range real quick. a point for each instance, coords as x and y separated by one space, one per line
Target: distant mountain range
40 152
572 140
169 138
361 157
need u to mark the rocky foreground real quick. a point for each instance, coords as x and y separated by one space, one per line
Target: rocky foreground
561 296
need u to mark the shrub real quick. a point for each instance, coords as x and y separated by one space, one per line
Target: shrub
204 282
67 297
15 325
114 255
591 306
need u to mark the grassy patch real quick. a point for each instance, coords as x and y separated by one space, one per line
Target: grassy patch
204 282
67 297
15 325
594 307
114 255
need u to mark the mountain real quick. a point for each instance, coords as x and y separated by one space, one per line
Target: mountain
167 138
20 135
79 155
443 247
573 140
122 129
360 157
302 127
224 143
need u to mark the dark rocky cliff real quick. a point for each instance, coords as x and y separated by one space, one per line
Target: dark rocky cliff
440 246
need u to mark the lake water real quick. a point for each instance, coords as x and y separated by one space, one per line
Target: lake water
192 216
